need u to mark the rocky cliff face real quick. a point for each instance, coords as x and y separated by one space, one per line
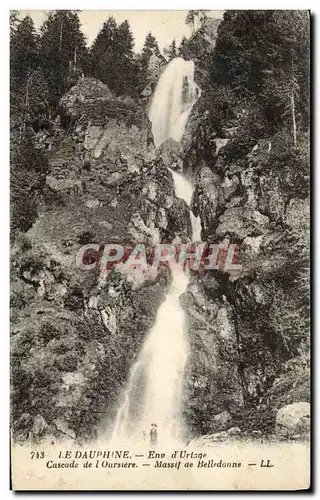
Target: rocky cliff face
249 337
76 333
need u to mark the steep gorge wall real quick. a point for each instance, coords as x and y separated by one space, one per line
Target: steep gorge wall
75 334
249 335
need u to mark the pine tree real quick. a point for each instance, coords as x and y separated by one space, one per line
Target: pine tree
34 103
126 66
62 46
28 169
150 48
23 61
172 51
150 51
112 58
101 53
14 21
23 52
124 40
181 46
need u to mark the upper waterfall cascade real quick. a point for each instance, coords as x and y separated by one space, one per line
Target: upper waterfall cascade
174 97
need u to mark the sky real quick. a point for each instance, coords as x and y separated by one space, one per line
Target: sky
164 25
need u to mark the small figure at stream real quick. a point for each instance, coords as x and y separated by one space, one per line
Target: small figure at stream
153 435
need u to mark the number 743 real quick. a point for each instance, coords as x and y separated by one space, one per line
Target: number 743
36 454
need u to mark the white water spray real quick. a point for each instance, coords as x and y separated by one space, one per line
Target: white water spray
153 393
184 190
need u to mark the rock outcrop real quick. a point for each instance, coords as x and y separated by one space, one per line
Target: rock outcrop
293 420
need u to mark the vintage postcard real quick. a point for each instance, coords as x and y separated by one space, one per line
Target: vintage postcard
160 250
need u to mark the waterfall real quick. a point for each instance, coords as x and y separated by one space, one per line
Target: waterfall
184 190
153 392
174 97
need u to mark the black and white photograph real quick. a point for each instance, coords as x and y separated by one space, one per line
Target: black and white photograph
160 250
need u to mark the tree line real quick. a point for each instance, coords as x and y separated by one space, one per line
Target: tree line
264 55
45 64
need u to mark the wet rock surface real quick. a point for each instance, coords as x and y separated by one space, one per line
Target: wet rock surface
249 330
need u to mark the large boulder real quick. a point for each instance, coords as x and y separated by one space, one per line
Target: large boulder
294 419
86 92
39 427
91 103
222 420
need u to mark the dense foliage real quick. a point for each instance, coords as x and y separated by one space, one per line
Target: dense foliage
28 174
60 54
112 58
261 58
